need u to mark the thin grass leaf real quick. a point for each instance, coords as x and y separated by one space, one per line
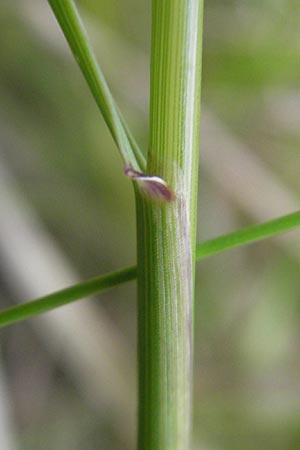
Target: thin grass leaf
248 235
102 283
72 26
65 296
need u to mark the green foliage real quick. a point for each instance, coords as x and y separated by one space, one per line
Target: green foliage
102 283
254 50
74 31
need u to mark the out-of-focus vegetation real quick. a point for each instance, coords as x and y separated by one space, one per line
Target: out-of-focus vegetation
64 204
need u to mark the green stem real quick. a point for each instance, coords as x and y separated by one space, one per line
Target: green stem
166 230
101 283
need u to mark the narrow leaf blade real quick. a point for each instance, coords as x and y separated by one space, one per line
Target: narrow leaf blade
99 284
73 28
65 296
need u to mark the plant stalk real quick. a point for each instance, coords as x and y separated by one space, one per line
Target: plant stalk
166 230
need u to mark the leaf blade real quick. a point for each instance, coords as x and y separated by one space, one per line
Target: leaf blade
248 235
99 284
75 33
65 296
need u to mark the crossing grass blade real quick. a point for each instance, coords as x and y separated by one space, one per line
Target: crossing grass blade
102 283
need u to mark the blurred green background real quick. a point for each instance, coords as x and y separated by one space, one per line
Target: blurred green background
67 379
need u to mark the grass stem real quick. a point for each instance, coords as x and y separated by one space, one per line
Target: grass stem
166 230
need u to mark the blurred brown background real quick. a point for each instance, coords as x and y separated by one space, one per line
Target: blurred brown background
67 379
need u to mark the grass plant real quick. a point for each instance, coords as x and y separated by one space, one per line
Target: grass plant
165 186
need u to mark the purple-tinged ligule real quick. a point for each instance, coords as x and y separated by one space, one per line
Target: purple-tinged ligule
153 186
